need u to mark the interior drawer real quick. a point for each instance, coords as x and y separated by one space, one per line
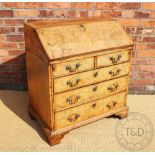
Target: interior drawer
89 93
73 66
86 78
113 58
83 112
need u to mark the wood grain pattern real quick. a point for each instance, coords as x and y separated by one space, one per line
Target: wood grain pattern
86 111
84 64
69 40
38 87
89 93
90 77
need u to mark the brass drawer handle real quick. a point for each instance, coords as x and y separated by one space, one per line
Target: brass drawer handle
71 69
73 100
73 117
115 59
113 88
71 84
111 105
114 73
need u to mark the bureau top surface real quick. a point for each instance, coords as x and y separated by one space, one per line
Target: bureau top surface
65 38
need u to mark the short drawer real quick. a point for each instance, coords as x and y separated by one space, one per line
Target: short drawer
113 58
73 66
86 78
83 112
89 93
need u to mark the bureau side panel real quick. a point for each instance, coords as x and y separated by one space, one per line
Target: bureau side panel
39 87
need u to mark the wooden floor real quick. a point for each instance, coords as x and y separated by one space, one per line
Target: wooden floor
19 133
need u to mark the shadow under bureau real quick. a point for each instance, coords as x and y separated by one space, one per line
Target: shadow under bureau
78 72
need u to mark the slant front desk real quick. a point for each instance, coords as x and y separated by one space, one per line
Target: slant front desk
78 73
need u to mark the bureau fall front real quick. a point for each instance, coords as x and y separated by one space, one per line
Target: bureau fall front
78 73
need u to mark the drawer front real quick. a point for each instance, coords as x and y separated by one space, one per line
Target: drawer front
73 66
90 77
83 112
89 93
114 58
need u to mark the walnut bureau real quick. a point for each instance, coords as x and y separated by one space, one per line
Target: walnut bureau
78 72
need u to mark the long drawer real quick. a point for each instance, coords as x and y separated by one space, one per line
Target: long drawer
83 112
90 77
89 93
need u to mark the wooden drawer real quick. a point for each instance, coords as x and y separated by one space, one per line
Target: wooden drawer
114 58
73 66
90 77
89 93
83 112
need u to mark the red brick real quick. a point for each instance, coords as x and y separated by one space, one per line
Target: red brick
3 53
4 67
111 13
130 5
22 45
84 13
13 59
59 13
140 47
71 13
13 4
62 5
136 61
146 68
30 5
2 37
17 68
136 88
4 30
25 13
152 61
153 14
16 52
12 74
6 13
150 46
14 21
144 81
46 13
20 29
128 22
140 14
147 23
94 13
127 13
148 31
107 5
147 39
1 21
82 5
149 6
15 38
146 54
5 45
147 75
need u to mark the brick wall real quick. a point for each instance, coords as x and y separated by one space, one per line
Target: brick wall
138 20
